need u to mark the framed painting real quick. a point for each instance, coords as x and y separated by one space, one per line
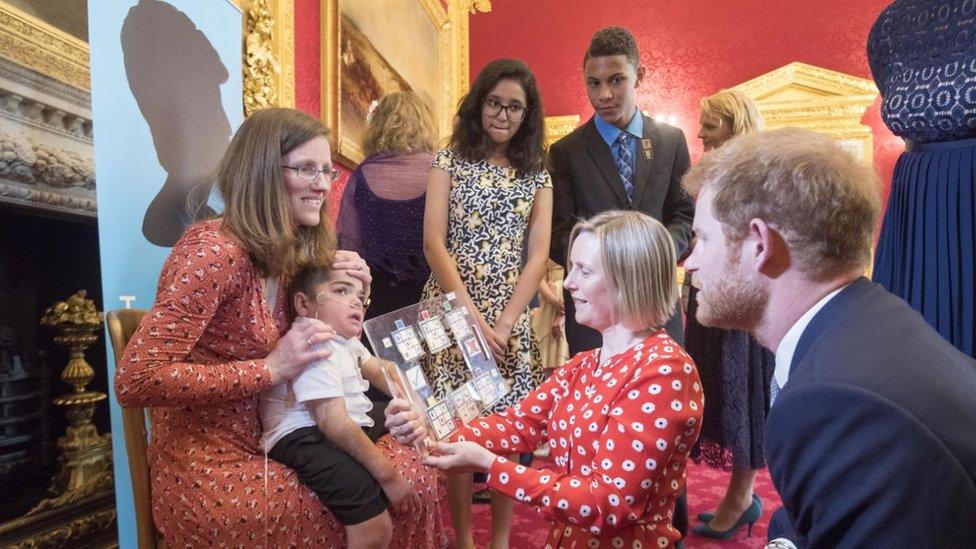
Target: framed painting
371 49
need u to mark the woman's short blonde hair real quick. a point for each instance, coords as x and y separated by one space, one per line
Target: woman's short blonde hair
256 204
734 108
401 123
639 260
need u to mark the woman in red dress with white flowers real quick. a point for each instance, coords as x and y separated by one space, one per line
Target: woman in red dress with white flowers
620 420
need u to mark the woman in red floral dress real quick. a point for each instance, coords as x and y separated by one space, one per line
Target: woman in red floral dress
217 336
620 420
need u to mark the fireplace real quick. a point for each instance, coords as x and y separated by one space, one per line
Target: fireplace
48 252
42 260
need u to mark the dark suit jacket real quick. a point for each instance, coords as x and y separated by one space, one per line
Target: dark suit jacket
586 182
872 441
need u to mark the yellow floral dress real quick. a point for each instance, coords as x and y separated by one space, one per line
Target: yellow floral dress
487 225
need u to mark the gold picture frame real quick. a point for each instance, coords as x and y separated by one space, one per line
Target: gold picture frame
373 73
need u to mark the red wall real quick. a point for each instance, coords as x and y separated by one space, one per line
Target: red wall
307 56
690 49
307 59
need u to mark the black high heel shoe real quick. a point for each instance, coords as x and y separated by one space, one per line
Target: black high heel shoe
750 516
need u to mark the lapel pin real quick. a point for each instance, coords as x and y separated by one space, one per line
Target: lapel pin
648 151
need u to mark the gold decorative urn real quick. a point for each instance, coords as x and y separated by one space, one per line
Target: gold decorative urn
85 462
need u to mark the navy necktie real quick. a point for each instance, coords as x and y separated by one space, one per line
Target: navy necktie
624 158
773 390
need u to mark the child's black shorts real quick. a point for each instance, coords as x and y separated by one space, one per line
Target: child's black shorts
342 484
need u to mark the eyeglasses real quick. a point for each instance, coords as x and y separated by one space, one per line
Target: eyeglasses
311 173
514 111
342 295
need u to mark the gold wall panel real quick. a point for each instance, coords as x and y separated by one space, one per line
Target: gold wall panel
558 127
818 99
269 53
34 44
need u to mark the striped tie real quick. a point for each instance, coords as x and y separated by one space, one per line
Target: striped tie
625 163
773 390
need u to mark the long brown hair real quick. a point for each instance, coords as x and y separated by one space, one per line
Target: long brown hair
526 151
256 205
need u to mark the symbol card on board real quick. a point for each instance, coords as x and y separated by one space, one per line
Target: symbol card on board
415 376
465 405
407 343
471 347
458 323
441 420
486 388
434 334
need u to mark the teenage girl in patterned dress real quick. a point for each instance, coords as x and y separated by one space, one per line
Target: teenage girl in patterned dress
484 193
217 336
620 420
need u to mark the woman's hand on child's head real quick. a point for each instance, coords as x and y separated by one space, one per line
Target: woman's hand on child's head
403 422
298 348
460 457
355 265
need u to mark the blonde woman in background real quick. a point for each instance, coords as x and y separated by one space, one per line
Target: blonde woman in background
549 327
734 368
381 216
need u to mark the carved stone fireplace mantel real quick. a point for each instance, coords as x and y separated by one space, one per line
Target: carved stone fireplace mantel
45 117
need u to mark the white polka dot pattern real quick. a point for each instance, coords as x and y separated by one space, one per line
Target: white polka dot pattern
620 434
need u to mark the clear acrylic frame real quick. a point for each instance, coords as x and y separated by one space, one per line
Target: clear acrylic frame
443 324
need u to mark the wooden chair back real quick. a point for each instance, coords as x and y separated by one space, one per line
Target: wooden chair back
122 323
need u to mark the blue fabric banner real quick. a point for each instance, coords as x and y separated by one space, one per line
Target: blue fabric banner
166 97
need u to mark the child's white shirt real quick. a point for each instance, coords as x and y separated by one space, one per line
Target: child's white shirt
336 376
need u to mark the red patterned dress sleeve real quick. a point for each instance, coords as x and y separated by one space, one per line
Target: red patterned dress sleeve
521 428
621 433
180 355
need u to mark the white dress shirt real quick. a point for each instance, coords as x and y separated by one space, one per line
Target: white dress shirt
787 345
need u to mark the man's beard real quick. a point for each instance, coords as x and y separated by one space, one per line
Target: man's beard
732 303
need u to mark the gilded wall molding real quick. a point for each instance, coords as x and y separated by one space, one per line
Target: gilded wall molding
269 54
38 46
261 68
558 127
818 99
284 48
80 528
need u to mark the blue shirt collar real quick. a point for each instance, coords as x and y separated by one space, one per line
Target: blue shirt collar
609 132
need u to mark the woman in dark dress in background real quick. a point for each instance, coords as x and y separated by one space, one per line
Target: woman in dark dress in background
382 212
923 58
735 369
381 215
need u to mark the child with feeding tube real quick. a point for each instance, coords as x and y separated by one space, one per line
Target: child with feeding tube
316 424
